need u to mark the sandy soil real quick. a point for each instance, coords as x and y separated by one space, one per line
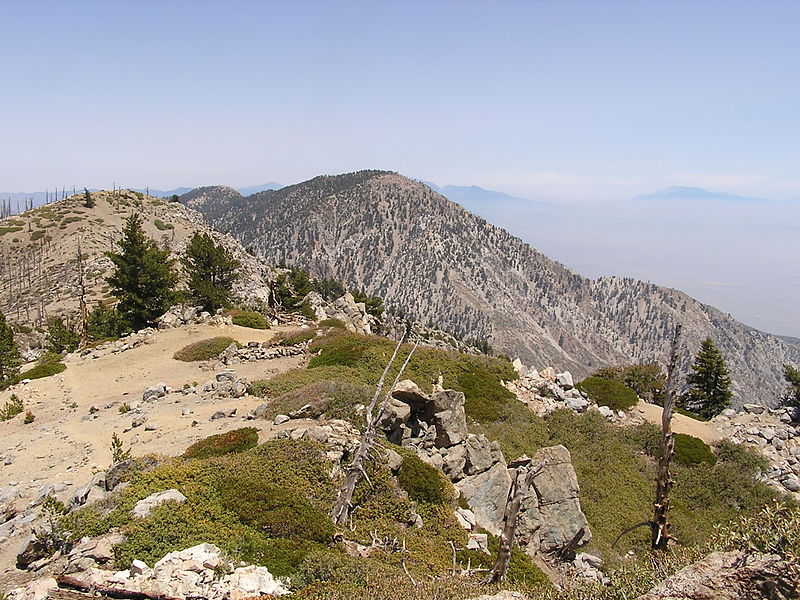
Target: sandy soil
67 445
680 423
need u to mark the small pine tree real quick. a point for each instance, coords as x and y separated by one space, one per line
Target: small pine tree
212 271
88 201
10 359
792 376
709 382
143 278
60 336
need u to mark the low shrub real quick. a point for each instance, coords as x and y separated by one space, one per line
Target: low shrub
293 338
11 229
335 323
204 349
610 393
29 418
229 442
246 318
423 482
49 364
690 450
274 510
161 226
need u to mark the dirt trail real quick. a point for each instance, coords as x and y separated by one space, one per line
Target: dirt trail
680 423
67 445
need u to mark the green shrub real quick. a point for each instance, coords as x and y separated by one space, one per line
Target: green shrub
161 226
37 235
607 392
324 566
48 365
29 418
276 511
749 462
12 408
335 323
423 482
283 557
293 338
11 229
204 349
690 450
237 440
72 219
479 377
253 320
336 398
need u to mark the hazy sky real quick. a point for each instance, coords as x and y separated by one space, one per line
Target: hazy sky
570 102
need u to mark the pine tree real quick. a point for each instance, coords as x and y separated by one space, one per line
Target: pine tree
212 271
709 382
88 201
143 278
9 353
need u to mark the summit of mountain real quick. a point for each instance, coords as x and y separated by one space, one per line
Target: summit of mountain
435 261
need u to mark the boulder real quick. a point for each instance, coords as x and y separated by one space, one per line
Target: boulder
479 454
154 392
38 589
753 409
551 514
731 576
146 505
565 380
487 493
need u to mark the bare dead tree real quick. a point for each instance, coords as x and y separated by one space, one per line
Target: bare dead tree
341 509
659 525
84 311
523 477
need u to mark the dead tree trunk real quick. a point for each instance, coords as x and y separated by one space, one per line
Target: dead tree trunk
523 477
660 524
341 510
84 333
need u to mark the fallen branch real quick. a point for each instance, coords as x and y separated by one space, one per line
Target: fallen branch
65 581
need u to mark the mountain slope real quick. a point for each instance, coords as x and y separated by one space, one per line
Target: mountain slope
429 256
39 251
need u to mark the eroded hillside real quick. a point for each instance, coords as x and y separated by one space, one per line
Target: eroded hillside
436 261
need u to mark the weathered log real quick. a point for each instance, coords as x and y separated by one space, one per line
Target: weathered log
65 581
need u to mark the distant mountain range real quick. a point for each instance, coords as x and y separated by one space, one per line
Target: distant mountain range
437 262
679 192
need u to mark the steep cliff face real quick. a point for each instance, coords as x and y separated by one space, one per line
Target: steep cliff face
396 237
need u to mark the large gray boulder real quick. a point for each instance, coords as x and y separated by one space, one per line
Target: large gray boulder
731 576
551 514
487 494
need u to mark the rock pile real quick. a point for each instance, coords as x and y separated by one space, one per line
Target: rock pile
179 316
197 572
547 391
125 343
254 351
353 314
775 432
435 426
341 438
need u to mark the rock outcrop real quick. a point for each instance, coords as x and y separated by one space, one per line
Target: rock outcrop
731 576
551 515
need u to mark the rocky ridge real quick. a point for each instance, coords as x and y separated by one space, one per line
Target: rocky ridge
397 238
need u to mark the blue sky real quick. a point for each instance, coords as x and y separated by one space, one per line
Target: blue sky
569 102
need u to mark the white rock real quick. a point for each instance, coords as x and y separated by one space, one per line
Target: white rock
478 541
144 506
